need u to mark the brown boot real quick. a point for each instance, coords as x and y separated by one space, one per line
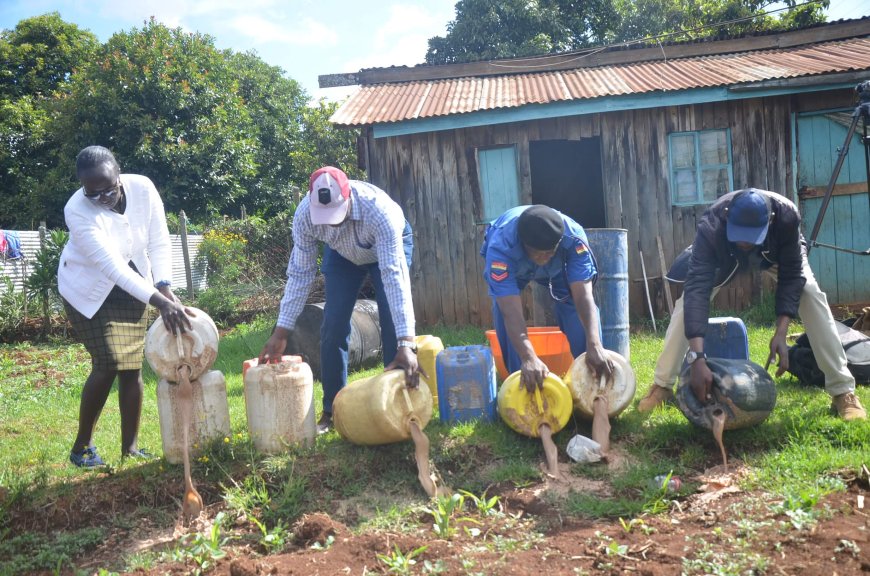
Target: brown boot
848 407
657 396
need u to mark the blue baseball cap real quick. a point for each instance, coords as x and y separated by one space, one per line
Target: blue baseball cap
748 217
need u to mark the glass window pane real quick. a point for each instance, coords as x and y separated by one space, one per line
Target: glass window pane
685 187
714 147
683 151
714 183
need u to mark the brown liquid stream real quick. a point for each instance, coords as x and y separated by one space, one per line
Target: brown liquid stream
421 455
550 452
191 505
601 424
717 417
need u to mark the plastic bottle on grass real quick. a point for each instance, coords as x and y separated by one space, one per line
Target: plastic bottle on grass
674 484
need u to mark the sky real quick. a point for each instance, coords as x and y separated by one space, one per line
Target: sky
306 38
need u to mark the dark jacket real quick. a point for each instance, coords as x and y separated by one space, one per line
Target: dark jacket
714 261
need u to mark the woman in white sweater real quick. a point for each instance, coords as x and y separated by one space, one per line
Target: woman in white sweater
118 260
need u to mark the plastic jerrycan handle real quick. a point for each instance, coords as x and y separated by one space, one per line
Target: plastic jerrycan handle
539 399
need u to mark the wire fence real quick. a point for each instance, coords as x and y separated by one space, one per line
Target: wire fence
233 269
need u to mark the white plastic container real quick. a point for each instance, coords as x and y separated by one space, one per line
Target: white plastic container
210 417
279 403
619 389
200 347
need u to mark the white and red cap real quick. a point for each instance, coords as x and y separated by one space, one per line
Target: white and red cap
328 193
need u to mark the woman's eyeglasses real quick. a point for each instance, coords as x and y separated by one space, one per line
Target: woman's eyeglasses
104 195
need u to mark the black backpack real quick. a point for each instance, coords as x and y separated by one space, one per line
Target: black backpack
802 362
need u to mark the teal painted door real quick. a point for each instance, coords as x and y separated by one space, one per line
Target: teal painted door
499 181
844 277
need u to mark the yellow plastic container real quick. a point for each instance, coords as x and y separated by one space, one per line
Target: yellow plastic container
428 348
379 409
585 388
524 412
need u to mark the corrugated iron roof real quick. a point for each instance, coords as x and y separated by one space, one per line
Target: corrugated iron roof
401 101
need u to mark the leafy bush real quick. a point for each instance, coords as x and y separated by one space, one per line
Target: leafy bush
12 308
220 301
224 252
41 284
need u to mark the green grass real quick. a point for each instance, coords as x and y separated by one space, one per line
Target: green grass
796 453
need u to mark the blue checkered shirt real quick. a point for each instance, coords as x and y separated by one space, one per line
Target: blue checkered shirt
372 233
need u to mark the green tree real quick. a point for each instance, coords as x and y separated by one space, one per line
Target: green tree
167 103
697 19
490 29
37 60
40 54
322 144
276 106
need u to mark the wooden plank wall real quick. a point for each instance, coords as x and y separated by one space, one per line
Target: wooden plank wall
433 176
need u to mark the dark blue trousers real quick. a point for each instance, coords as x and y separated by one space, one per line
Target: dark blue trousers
343 282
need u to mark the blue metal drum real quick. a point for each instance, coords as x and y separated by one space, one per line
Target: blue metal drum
610 247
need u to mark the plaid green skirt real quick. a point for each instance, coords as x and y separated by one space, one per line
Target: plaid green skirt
115 336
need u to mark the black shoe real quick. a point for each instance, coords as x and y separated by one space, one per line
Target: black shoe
324 425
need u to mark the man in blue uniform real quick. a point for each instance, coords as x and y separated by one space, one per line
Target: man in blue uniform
538 243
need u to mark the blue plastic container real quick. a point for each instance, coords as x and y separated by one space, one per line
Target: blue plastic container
726 338
466 384
610 247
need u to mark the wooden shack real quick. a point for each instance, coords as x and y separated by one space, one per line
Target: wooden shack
641 139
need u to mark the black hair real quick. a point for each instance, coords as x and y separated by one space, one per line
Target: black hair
93 156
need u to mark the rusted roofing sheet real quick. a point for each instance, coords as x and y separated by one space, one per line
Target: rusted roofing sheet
396 102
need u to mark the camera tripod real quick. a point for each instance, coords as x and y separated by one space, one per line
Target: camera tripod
862 110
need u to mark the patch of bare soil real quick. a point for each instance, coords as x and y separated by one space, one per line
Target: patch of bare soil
696 538
719 529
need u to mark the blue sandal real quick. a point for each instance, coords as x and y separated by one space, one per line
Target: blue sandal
140 455
87 458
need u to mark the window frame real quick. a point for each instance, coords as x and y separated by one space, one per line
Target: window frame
699 168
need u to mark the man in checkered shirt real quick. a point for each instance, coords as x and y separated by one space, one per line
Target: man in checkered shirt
364 233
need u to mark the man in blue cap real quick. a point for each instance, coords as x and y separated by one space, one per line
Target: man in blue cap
743 229
538 243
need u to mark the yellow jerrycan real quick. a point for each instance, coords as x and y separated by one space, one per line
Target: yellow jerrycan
428 348
585 388
524 413
379 409
279 404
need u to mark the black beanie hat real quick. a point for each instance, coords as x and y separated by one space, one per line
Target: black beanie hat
540 227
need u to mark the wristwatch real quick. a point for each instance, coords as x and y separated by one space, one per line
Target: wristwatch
407 344
691 356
